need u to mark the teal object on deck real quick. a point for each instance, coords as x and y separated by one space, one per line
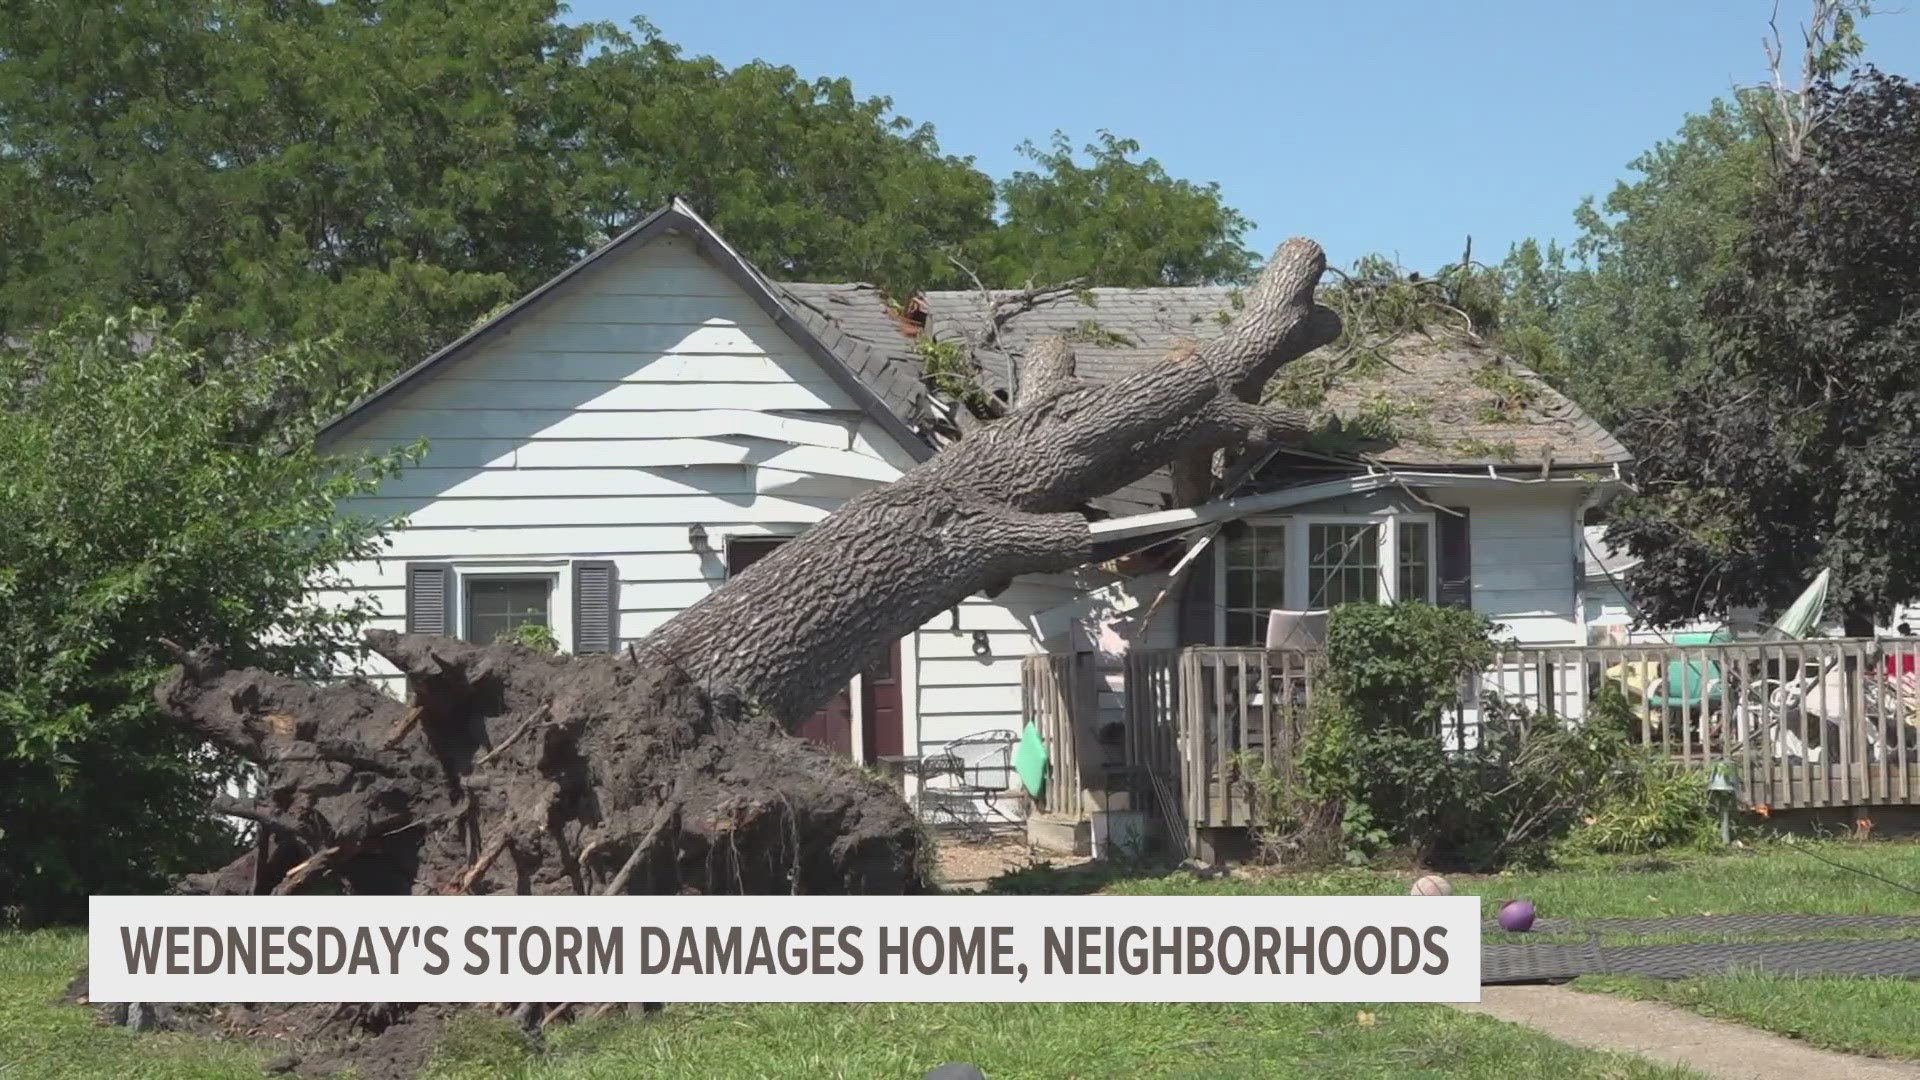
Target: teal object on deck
1030 760
1686 681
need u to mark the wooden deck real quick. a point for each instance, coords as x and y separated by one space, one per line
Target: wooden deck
1801 724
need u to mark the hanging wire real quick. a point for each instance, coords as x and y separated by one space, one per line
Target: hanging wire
1809 852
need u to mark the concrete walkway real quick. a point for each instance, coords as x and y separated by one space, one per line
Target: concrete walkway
1676 1037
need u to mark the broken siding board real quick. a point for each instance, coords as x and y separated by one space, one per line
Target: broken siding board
726 450
870 441
643 453
569 483
829 429
788 483
612 510
736 480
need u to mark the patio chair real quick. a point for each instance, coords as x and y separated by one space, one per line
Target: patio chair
1822 699
966 782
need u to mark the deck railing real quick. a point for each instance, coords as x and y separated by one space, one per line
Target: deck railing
1828 723
1055 688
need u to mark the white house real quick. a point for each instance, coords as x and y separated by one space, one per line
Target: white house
611 447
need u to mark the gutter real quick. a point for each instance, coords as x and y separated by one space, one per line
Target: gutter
1241 506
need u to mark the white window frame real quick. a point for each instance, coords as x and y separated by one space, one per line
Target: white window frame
1297 532
557 574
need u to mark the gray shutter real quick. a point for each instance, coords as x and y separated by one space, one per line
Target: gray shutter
1454 558
594 610
1196 598
429 598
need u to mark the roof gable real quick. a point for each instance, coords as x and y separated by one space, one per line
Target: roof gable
868 375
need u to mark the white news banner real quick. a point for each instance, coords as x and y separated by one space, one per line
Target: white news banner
784 948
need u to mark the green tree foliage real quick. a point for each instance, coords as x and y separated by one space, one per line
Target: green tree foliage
1116 220
384 172
1615 319
1799 447
141 507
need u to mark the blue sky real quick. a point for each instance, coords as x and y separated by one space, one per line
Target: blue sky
1398 126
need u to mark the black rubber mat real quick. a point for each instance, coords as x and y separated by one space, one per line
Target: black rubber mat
1721 924
1512 962
1503 962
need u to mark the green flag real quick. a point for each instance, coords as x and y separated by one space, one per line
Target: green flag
1030 760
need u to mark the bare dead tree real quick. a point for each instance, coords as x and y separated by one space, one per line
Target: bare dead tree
1828 40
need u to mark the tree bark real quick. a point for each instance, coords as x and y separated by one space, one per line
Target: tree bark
1007 499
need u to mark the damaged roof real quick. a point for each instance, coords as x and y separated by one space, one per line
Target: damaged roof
856 322
1443 400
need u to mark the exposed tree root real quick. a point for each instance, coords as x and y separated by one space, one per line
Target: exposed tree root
515 772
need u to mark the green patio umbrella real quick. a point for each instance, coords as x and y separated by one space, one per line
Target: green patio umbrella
1802 617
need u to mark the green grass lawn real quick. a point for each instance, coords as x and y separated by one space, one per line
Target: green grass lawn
1769 877
40 1039
1869 1016
1859 1016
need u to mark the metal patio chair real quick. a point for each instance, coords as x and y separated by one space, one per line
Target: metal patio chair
964 784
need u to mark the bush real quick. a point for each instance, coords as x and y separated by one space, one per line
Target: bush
1392 674
153 492
1529 782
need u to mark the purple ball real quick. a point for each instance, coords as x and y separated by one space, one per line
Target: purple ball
1516 916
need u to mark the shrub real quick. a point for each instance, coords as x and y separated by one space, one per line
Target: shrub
1526 783
1392 674
152 492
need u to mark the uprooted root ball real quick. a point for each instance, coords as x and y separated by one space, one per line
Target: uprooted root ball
510 771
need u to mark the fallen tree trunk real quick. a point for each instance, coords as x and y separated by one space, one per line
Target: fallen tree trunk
1003 501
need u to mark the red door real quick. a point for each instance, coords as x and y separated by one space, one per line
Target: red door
832 726
880 706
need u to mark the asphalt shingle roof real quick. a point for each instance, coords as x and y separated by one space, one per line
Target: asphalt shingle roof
1453 411
855 322
1456 403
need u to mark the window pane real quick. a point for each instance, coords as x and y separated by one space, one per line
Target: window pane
497 605
1245 629
1416 554
1343 565
1258 545
1239 588
1270 546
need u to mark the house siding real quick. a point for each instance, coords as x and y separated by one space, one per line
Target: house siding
1526 559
